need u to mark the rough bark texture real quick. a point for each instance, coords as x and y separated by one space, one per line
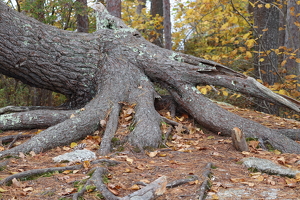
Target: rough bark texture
114 7
167 25
266 21
115 64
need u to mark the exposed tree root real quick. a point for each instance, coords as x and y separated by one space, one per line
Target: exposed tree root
10 138
9 109
151 191
59 135
34 119
182 181
219 120
205 184
111 128
35 172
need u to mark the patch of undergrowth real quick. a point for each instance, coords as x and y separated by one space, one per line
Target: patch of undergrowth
105 179
99 196
2 168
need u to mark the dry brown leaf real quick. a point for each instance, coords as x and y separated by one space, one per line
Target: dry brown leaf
17 183
145 181
114 191
152 154
127 170
134 187
86 164
281 160
32 153
28 189
21 155
66 148
179 129
237 180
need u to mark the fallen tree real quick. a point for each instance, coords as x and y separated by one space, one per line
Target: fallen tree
102 71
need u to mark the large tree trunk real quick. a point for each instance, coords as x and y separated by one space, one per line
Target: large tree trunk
100 72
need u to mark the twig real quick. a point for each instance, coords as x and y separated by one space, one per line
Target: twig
15 139
10 138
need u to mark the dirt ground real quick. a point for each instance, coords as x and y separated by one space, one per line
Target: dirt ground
184 155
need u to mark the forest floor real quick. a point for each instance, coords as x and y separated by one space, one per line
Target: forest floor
186 155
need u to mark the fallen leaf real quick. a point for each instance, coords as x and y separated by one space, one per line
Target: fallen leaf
86 164
67 171
127 170
21 155
281 160
134 187
66 148
145 181
28 189
130 160
2 190
237 180
73 144
114 191
32 153
152 154
16 183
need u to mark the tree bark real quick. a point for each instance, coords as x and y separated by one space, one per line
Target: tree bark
114 7
167 25
266 22
82 17
115 64
157 9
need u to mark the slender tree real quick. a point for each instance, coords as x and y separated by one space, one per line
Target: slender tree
266 23
292 37
167 24
157 9
82 17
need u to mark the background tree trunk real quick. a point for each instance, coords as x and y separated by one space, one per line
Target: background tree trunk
82 17
157 9
142 4
114 7
167 25
266 22
292 37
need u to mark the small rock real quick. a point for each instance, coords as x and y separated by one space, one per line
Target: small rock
78 155
268 167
